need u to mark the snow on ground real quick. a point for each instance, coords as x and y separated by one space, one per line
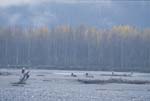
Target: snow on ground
56 85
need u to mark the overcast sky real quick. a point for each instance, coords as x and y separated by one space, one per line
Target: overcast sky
5 3
104 12
20 2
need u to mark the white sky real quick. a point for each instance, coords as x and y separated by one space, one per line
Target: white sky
19 2
14 2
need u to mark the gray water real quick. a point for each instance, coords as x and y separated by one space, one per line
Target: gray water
55 85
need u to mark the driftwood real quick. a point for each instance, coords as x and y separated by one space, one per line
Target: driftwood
73 75
115 74
88 75
113 80
24 78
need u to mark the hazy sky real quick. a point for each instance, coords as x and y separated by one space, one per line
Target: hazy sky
19 2
93 12
5 3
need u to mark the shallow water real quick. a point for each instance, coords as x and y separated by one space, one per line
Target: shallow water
55 85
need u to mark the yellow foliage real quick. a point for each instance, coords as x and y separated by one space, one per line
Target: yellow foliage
125 30
40 32
63 28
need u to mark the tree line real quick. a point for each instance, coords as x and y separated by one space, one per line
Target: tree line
121 47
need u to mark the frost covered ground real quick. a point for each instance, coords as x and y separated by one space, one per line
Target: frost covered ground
55 85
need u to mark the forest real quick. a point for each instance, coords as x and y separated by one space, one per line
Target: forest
122 48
